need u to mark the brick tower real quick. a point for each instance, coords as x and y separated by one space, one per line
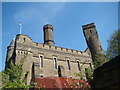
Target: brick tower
48 35
93 41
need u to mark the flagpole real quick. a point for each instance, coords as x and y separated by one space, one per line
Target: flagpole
20 27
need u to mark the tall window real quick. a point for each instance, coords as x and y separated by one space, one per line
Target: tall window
55 63
78 65
41 61
68 62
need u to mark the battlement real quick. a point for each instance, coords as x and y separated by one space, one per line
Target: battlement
61 49
88 26
22 35
29 42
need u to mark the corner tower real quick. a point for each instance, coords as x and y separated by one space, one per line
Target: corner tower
10 50
48 35
93 41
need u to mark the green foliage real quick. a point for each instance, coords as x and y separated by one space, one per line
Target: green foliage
113 45
89 74
82 83
13 77
112 51
99 60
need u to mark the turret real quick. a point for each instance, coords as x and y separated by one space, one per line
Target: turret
48 35
93 42
10 50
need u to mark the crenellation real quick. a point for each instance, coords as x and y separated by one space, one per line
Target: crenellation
69 50
46 46
52 47
88 26
58 48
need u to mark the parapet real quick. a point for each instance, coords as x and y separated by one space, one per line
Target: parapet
88 26
60 49
48 26
25 40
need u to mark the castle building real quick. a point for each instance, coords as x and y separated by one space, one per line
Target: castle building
47 60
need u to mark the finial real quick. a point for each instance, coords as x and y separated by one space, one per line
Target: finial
20 23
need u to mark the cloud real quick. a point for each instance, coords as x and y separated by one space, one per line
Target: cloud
45 12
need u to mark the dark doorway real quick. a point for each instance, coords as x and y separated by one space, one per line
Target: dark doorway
59 72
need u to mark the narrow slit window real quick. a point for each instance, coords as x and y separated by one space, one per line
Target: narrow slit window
90 65
55 63
78 65
90 31
24 39
68 62
41 61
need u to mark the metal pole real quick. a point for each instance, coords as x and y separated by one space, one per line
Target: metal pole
20 27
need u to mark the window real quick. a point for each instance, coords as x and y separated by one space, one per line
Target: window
90 65
41 61
18 52
68 62
24 39
90 31
78 65
55 63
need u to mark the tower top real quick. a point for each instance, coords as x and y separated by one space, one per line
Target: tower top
12 43
48 26
91 25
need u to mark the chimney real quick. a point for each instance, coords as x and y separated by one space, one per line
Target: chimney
48 35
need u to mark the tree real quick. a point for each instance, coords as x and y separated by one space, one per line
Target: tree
81 82
113 45
13 77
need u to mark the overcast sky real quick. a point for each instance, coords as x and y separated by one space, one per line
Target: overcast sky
67 19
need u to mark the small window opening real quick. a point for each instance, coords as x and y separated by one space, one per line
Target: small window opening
78 65
90 65
41 61
41 75
18 52
90 31
24 39
68 62
55 63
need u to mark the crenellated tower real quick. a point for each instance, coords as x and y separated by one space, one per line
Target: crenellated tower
93 41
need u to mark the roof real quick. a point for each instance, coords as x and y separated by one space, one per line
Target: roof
12 43
58 82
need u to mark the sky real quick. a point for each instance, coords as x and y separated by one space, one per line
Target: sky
67 19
